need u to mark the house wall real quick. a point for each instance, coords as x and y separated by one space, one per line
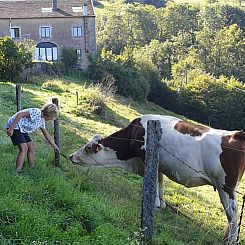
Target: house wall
61 33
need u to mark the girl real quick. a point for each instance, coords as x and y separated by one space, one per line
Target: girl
27 121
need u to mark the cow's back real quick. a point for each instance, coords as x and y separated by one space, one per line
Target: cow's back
189 155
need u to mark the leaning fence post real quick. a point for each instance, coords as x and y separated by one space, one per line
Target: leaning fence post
57 134
18 96
150 178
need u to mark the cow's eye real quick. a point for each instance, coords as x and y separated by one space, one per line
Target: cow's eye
88 148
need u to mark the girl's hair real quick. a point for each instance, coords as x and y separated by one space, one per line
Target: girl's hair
50 110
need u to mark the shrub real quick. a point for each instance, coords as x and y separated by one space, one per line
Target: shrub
128 80
69 58
218 102
93 98
14 58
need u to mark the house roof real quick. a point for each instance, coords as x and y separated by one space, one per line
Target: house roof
42 8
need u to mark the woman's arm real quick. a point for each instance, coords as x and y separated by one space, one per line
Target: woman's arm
50 139
16 120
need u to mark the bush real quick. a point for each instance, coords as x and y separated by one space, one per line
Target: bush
218 102
128 80
69 58
14 58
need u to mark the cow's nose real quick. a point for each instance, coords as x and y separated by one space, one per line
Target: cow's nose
70 157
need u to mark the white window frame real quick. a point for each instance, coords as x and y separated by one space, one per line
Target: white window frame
13 32
77 31
43 30
47 53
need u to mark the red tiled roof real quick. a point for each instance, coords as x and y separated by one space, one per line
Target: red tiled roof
33 9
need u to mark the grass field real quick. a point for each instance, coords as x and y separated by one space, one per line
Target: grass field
75 205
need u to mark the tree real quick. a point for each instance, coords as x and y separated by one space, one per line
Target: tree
233 15
176 19
217 102
223 54
156 3
126 25
69 58
14 58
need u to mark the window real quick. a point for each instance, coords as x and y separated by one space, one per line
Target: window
77 9
46 10
77 31
79 54
15 32
47 51
45 31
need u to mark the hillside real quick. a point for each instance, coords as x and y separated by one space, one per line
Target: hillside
77 205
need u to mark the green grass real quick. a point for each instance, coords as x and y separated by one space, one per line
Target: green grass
76 205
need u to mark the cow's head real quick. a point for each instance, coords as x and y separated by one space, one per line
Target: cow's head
94 153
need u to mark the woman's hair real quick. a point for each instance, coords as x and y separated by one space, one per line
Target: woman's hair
50 110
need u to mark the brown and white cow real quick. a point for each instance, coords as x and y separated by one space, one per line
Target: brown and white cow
190 154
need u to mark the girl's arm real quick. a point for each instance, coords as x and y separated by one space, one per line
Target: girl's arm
16 120
50 139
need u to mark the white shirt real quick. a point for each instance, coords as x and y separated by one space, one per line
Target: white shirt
28 124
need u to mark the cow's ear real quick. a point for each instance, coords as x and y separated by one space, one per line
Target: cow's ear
97 138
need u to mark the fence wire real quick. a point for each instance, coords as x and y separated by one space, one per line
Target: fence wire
173 208
177 210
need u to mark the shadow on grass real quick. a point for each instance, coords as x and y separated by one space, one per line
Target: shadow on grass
71 139
8 100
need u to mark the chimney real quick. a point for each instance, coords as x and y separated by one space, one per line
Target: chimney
54 5
85 9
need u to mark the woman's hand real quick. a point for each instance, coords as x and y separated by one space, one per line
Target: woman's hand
10 132
57 149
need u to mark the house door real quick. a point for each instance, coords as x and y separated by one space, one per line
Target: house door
46 51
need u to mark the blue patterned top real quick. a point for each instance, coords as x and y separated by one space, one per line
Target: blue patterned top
28 124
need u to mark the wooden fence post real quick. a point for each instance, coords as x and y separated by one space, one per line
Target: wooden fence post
57 134
18 97
77 98
154 133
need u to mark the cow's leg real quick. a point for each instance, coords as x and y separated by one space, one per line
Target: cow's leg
160 201
230 206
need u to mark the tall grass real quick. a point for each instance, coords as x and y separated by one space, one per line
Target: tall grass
76 205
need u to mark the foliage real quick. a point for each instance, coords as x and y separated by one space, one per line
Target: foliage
216 102
190 42
123 25
222 54
156 3
94 97
168 35
14 58
177 19
128 80
69 58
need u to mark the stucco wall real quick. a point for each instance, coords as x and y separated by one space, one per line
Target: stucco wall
61 33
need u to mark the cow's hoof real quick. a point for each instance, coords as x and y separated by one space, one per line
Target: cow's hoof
161 206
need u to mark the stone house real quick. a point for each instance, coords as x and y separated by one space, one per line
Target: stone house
52 25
